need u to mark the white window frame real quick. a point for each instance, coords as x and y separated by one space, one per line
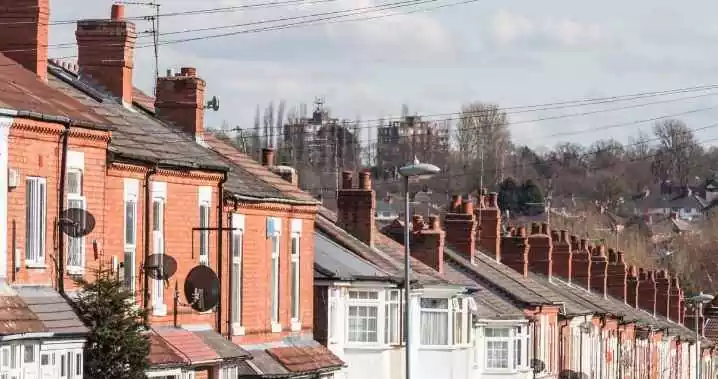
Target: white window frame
461 315
76 166
35 245
159 195
507 339
393 321
205 208
295 275
430 310
229 372
365 299
130 196
237 258
274 233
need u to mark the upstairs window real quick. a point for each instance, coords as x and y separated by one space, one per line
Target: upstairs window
205 200
434 321
76 200
35 220
295 274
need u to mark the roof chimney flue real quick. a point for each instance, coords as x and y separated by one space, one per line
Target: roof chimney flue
24 27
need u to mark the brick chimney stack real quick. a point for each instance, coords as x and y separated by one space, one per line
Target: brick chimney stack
427 242
561 255
24 31
461 227
515 250
675 300
663 293
106 52
356 207
581 263
180 101
267 157
599 269
616 275
540 249
632 280
646 291
489 216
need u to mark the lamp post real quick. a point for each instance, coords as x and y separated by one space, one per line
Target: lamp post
698 301
413 170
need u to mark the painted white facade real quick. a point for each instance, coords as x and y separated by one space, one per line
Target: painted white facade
376 352
36 357
501 349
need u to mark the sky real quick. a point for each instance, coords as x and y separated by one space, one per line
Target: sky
510 52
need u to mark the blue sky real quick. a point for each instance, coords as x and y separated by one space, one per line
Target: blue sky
510 52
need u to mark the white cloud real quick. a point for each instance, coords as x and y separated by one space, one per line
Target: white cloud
510 29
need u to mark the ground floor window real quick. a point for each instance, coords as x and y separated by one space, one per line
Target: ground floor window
506 347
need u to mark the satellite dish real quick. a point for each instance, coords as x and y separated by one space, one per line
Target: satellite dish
161 266
213 104
76 222
201 288
538 366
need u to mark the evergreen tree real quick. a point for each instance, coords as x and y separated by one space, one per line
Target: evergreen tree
531 198
509 194
116 346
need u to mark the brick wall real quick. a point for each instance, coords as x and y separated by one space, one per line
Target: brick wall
35 151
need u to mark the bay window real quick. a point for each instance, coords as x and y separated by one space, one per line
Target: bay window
363 316
462 321
434 321
393 317
506 347
35 220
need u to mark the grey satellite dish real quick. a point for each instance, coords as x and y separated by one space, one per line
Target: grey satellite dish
213 104
161 266
76 222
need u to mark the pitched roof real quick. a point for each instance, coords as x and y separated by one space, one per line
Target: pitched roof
162 355
289 360
332 261
16 317
223 347
22 90
139 135
190 345
51 309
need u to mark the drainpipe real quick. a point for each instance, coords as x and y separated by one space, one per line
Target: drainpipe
230 248
65 137
220 235
148 207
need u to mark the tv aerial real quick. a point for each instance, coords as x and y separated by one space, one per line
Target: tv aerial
201 288
76 222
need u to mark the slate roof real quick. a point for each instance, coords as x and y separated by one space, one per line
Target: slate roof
332 261
289 360
138 135
22 90
51 309
223 347
16 317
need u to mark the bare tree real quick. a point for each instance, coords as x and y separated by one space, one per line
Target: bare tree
678 151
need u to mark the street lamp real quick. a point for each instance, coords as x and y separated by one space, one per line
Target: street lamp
413 170
698 301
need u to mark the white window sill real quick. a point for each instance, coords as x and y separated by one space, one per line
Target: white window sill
368 346
237 330
276 328
160 310
74 270
443 347
296 326
35 265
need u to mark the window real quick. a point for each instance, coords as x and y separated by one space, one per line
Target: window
497 347
76 200
78 364
35 220
237 252
28 354
274 232
363 316
434 321
295 271
205 199
392 326
462 321
159 195
131 193
228 372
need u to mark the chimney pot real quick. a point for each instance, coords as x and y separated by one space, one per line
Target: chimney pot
365 180
521 232
189 71
267 157
434 222
347 177
492 198
544 228
535 228
118 12
564 235
455 203
467 207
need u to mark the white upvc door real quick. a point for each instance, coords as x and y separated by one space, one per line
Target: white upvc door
47 365
30 361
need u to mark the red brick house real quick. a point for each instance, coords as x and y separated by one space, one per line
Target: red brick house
140 166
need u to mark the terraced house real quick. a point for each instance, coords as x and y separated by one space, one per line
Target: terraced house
81 136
